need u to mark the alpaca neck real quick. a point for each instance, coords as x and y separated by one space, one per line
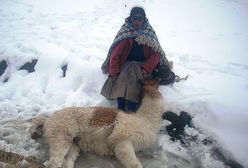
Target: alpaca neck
152 110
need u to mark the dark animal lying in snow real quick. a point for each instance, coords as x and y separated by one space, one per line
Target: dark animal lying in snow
178 123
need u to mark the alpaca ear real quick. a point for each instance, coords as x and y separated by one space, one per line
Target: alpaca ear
151 82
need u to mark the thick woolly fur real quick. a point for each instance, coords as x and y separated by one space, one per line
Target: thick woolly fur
104 131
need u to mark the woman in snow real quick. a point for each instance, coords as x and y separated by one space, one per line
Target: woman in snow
133 55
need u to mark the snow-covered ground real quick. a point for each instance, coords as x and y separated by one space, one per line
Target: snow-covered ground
205 39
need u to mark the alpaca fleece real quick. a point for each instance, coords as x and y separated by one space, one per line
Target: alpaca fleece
103 116
102 130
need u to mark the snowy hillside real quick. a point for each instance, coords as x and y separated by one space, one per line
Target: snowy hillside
205 39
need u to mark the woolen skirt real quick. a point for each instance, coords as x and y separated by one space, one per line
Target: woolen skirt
127 85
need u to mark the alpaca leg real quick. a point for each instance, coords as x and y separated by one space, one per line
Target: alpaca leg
59 148
71 157
124 151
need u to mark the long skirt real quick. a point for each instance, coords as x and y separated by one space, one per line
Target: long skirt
127 85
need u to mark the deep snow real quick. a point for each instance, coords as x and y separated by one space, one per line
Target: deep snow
205 39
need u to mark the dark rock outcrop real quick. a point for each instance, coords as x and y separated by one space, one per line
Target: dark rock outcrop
3 67
29 66
64 69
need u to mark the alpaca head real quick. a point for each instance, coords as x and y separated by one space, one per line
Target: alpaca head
36 129
150 89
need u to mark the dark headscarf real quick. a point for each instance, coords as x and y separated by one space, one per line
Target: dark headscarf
138 10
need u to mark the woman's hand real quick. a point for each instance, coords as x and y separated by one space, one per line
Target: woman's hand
114 76
145 73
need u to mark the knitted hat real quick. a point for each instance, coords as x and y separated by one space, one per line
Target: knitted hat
137 10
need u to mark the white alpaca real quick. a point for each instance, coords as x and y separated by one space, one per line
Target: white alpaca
105 131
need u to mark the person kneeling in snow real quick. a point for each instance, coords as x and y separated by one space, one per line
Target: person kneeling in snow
132 57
